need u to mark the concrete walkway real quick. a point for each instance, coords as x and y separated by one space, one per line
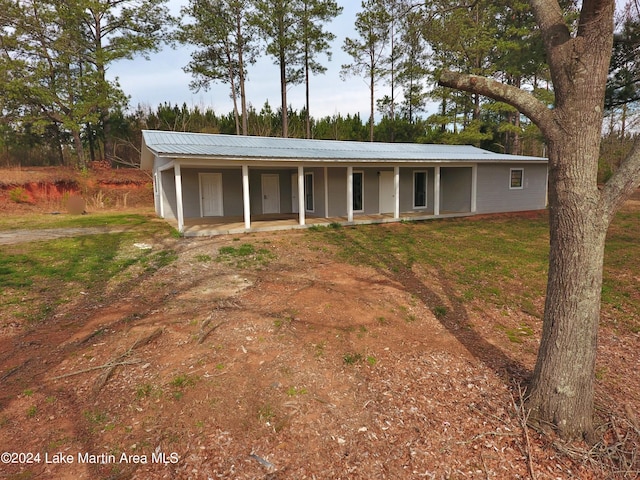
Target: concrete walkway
10 237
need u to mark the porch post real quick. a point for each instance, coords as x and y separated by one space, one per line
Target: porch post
179 206
350 194
474 188
301 195
396 193
436 191
246 204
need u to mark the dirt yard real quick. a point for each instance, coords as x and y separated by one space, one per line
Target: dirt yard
298 367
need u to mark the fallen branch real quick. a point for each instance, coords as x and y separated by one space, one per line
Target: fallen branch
204 332
114 363
487 434
148 339
106 375
13 370
523 418
106 365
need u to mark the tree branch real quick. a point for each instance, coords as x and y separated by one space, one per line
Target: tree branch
523 101
623 183
551 21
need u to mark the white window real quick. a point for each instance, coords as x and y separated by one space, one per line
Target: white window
419 189
516 178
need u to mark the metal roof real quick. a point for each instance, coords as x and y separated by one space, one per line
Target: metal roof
216 146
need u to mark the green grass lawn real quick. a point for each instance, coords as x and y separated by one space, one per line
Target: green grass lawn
35 221
35 277
502 261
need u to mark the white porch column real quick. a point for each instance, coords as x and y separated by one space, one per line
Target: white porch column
350 194
246 203
326 192
474 188
301 195
436 191
396 193
179 205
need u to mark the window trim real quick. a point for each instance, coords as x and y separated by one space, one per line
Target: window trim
518 187
426 189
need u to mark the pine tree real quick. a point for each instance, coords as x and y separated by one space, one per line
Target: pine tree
278 23
227 44
314 40
368 51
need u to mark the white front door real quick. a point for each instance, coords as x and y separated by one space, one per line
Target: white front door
211 195
294 193
387 192
270 193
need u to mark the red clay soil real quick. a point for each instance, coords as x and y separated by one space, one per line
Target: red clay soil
38 189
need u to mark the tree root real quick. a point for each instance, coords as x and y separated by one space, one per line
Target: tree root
114 363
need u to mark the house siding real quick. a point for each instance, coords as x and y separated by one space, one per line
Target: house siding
318 190
455 189
337 191
371 190
406 189
494 194
168 194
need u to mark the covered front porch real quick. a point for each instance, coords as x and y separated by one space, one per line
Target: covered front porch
211 226
213 201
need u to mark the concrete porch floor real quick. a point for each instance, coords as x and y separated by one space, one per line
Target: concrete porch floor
210 226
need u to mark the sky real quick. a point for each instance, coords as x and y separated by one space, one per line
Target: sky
162 79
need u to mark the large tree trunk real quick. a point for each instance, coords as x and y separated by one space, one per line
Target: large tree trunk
561 389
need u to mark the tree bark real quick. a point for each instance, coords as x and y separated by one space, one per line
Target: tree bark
561 389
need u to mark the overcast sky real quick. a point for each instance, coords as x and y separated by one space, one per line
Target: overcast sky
161 79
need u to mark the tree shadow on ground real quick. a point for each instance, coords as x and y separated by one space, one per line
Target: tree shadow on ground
454 317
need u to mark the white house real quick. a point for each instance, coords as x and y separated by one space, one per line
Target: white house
208 184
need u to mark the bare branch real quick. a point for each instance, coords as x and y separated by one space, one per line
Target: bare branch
525 102
623 183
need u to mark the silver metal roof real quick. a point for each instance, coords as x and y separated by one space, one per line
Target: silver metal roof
216 146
